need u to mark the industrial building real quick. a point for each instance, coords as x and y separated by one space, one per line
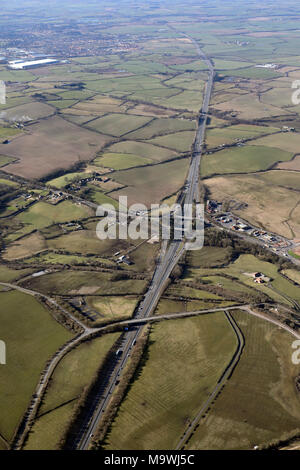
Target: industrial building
21 65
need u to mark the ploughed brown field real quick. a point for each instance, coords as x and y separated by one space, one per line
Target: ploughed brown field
50 145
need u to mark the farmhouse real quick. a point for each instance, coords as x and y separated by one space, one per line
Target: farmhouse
260 278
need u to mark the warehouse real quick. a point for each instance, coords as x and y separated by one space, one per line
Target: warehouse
20 65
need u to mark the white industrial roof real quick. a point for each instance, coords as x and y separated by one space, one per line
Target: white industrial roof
21 65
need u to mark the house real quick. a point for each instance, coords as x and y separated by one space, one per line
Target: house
260 278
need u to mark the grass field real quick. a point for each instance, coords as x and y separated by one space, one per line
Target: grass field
8 274
73 374
231 134
85 283
249 107
293 274
31 337
293 165
42 215
117 124
7 182
242 160
4 160
27 246
184 360
150 110
160 127
180 290
288 142
252 72
120 161
188 100
260 401
113 308
15 75
86 242
180 141
29 111
209 257
151 184
98 105
287 179
64 180
143 150
8 132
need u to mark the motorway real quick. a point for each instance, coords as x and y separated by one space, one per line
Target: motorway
161 274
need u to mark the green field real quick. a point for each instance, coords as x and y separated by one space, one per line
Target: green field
5 160
64 180
113 308
160 127
231 134
287 141
142 149
6 182
209 257
242 160
184 360
180 141
55 258
120 161
42 215
117 124
31 337
8 132
8 274
73 374
251 72
152 184
85 242
86 282
260 402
